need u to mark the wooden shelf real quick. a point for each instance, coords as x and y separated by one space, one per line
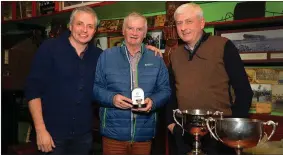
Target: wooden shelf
12 26
55 13
246 22
120 31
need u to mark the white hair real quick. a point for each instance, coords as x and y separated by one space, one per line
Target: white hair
134 15
85 9
185 7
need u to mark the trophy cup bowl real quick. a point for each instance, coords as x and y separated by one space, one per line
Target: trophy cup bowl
239 133
194 122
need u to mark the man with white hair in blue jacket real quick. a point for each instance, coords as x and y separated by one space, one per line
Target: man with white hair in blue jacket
121 70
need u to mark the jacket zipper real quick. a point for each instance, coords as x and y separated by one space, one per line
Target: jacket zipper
133 116
104 119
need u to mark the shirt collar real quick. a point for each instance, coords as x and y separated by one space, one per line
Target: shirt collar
196 45
141 51
191 53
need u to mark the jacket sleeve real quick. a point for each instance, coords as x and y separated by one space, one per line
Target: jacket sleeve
39 72
162 87
100 92
238 79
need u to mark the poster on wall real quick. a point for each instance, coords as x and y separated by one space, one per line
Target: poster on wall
101 42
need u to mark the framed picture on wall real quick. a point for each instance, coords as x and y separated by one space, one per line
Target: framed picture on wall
115 41
154 38
101 42
73 4
265 39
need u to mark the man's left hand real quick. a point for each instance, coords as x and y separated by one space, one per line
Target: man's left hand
154 49
148 107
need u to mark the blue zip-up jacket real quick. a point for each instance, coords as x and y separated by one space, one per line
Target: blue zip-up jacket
64 83
113 77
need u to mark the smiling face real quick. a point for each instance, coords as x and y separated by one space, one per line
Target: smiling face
134 31
189 26
82 27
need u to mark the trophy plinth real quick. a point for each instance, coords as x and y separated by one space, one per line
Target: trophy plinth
239 133
194 122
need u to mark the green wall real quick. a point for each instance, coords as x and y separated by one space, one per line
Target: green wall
212 10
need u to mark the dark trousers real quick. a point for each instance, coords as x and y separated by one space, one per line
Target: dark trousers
81 145
209 145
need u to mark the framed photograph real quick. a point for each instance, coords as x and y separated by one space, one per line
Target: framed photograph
277 98
73 4
262 93
251 73
101 42
154 38
24 9
109 25
115 41
6 11
263 75
46 7
268 39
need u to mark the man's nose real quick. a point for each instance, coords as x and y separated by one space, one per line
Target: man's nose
134 32
182 27
85 28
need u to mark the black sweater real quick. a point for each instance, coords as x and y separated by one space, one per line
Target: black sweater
64 83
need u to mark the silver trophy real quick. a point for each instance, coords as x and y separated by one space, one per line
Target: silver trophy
193 122
239 133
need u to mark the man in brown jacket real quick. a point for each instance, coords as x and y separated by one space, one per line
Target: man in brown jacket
201 73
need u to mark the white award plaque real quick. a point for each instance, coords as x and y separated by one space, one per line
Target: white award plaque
138 98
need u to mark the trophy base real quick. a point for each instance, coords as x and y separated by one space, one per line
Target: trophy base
196 152
139 106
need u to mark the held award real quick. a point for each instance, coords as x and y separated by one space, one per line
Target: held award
138 98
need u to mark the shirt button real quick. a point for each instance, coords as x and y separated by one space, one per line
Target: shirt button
74 118
80 88
78 103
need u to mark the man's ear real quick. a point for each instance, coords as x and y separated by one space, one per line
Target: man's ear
202 22
70 27
123 31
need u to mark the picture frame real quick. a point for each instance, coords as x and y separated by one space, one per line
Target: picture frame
110 25
7 11
115 41
255 40
154 38
101 42
66 5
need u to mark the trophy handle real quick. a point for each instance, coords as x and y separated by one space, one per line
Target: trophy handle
210 119
273 129
174 116
218 113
